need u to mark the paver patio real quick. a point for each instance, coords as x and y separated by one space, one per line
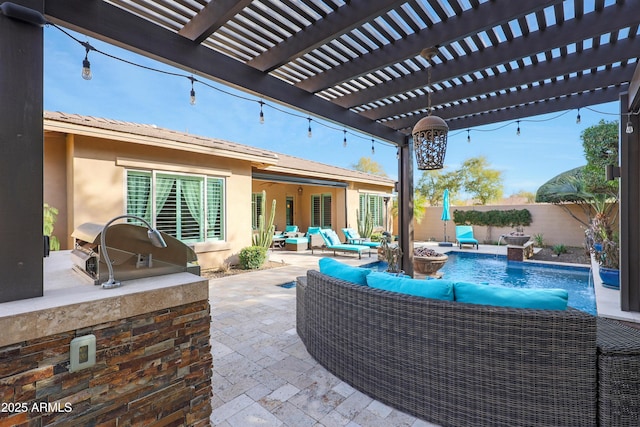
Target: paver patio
263 375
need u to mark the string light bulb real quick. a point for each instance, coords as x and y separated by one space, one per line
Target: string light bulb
468 136
629 128
192 94
518 130
373 149
309 133
398 153
344 139
578 119
261 113
86 65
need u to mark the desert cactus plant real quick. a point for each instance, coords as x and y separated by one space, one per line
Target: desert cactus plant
264 236
365 226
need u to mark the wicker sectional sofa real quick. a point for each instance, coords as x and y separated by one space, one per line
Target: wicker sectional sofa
457 364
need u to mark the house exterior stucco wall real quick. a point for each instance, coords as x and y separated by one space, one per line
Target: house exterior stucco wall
97 182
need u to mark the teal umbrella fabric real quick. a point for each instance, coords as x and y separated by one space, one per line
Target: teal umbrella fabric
445 207
446 216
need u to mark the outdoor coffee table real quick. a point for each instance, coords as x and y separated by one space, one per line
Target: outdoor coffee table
278 242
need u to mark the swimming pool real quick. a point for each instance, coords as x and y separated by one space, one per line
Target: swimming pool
495 270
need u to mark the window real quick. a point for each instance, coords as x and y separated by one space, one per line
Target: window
187 207
321 210
374 205
256 209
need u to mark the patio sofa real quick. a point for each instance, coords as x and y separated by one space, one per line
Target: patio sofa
460 364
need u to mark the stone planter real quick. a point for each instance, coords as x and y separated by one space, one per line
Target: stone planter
516 240
428 265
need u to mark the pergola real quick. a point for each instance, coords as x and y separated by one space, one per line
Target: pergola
353 62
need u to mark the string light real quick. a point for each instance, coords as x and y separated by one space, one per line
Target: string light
261 113
518 130
629 128
373 149
398 153
87 75
192 94
578 119
468 136
86 65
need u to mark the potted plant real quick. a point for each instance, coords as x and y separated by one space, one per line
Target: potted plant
427 261
606 250
390 253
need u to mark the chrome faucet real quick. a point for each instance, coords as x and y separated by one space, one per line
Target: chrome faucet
154 236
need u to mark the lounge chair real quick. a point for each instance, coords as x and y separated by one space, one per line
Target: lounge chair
332 242
353 238
464 236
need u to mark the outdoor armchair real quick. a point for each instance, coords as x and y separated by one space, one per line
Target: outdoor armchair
353 238
464 236
332 242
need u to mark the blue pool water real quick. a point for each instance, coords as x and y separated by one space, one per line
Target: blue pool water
495 270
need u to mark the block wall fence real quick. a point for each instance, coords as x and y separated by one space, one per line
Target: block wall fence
151 369
553 222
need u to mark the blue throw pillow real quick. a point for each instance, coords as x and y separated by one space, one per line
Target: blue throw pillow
333 237
435 289
542 299
333 268
313 230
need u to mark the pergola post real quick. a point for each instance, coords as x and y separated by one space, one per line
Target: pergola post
629 205
405 204
21 156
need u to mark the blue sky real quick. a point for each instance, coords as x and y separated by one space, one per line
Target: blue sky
547 145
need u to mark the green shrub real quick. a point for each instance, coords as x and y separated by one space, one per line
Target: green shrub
539 240
376 237
496 218
252 257
559 249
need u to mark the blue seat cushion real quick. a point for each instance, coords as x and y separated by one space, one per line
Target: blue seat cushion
297 240
291 229
501 296
333 268
435 289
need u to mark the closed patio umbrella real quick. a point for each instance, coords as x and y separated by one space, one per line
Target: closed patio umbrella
446 216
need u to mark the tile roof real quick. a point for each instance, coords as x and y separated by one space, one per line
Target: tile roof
273 162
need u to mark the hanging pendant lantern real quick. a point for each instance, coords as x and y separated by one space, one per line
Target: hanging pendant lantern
430 133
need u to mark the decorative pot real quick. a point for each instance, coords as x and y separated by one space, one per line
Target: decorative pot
610 277
516 240
428 265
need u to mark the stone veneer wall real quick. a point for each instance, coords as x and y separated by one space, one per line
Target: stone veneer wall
151 369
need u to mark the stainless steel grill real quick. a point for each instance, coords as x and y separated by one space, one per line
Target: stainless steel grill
132 254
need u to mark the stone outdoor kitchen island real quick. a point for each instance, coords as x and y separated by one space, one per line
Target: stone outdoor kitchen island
153 360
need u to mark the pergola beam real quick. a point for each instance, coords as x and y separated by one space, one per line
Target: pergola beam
339 22
211 17
473 21
578 61
522 111
576 30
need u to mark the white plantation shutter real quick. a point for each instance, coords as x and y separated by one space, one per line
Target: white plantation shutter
189 208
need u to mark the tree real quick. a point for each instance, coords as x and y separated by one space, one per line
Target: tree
367 165
528 195
479 181
419 207
432 184
600 144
